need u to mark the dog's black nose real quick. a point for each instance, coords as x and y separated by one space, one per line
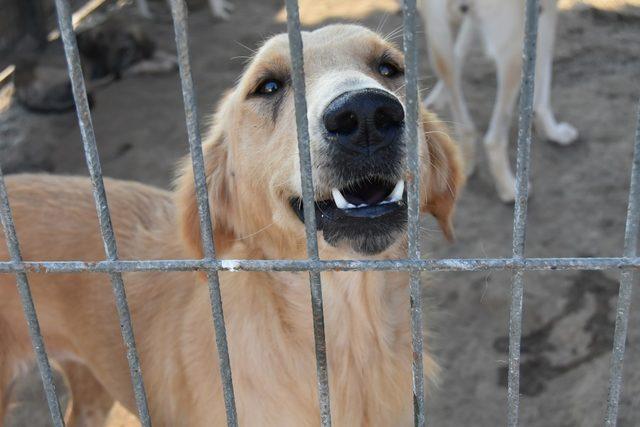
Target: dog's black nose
464 8
364 121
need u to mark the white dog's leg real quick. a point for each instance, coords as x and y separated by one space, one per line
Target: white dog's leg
545 121
497 138
221 8
440 42
437 98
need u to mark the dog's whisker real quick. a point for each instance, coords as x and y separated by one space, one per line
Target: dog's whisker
394 33
255 233
383 21
253 51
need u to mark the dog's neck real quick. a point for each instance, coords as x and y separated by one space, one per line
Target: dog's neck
375 302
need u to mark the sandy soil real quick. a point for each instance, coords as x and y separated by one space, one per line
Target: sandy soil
577 209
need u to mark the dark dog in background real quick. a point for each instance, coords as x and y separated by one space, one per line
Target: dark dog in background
110 48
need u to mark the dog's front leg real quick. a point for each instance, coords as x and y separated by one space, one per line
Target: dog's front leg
439 97
90 402
545 121
496 141
441 52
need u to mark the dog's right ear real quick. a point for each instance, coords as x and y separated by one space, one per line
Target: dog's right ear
442 174
216 157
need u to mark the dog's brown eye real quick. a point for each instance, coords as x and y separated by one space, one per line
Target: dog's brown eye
269 87
387 69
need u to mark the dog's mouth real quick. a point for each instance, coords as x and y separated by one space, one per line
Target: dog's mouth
368 214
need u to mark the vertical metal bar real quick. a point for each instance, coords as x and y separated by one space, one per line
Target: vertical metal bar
29 308
100 198
413 199
179 14
520 210
306 177
626 283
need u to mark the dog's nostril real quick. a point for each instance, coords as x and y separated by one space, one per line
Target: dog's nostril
343 123
386 118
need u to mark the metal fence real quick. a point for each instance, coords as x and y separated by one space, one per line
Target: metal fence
518 263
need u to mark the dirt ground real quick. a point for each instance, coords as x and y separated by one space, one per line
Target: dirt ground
577 209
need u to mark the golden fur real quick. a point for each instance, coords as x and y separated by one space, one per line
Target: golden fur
251 166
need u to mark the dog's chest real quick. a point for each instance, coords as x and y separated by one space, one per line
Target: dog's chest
367 341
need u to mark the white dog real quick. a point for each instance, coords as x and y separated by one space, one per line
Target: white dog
500 24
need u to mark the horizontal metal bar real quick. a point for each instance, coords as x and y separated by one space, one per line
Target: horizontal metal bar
239 265
42 360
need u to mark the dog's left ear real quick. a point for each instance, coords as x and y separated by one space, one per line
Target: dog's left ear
442 174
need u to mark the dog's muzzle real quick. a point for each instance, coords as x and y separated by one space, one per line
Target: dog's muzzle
362 122
363 164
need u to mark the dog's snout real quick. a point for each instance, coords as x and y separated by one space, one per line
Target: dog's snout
364 121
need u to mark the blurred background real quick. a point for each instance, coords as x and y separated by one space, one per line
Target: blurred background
577 208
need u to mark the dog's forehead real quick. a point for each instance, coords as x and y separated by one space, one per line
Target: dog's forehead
332 42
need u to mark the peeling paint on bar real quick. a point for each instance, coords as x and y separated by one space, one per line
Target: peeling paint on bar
229 265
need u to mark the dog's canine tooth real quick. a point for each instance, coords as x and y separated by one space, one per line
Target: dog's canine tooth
397 192
339 199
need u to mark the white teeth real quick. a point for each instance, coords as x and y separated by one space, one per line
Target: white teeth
339 199
397 192
393 197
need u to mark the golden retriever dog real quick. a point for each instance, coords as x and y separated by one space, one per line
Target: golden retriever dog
358 141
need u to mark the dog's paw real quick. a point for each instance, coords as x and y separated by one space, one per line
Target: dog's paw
506 191
563 134
501 172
